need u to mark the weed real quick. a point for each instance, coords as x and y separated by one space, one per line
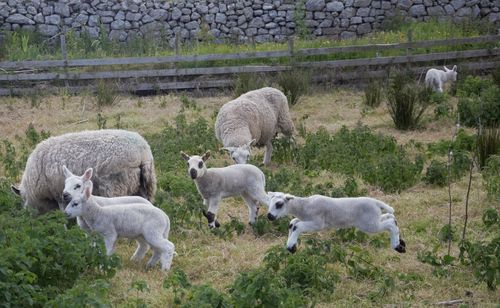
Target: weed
436 174
407 101
495 75
373 94
488 143
101 121
491 180
106 94
187 103
248 82
295 84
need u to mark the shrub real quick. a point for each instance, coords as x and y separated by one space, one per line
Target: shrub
373 94
407 101
106 93
473 86
496 75
436 174
248 82
294 83
491 180
488 143
484 109
83 294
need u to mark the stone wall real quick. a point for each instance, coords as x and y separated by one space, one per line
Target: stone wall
258 20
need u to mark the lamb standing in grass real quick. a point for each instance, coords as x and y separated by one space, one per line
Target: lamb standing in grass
147 224
122 161
215 184
318 212
254 117
436 78
74 185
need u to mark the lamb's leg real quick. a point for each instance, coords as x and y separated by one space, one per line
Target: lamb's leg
267 154
167 256
83 224
390 225
252 208
142 249
109 241
213 204
163 251
295 228
154 258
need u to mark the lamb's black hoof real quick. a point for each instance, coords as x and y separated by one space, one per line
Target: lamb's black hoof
400 248
292 249
402 243
217 224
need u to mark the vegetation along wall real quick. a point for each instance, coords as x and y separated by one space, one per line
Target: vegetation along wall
258 20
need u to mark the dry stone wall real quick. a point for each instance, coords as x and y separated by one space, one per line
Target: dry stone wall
258 20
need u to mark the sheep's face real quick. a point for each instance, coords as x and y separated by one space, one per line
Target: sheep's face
241 154
278 204
74 184
196 164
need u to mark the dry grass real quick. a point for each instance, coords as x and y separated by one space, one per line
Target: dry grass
207 259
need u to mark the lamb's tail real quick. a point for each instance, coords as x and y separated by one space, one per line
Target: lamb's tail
385 207
148 180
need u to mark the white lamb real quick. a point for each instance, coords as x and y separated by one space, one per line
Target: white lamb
215 184
74 185
122 161
147 224
436 78
254 117
318 212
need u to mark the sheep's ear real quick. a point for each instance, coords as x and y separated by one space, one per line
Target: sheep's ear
289 197
206 156
184 156
15 190
454 68
87 175
66 172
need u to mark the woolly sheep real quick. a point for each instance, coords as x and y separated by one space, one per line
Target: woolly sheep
436 78
318 212
122 161
147 224
254 117
215 184
74 185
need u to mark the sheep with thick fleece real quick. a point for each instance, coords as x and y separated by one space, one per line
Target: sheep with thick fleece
214 184
435 78
74 185
254 117
122 161
147 224
318 212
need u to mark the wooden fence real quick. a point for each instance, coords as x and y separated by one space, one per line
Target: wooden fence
21 77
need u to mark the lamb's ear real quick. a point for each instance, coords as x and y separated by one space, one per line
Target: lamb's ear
87 175
446 69
87 191
270 194
15 190
289 197
251 142
66 172
206 155
229 149
454 68
184 156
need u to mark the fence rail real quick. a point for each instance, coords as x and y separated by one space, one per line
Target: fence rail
13 80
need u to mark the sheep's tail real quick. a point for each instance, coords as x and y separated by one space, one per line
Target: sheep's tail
148 180
385 207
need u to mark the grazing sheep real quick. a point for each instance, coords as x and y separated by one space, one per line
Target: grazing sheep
436 78
122 161
74 185
147 224
215 184
318 212
254 117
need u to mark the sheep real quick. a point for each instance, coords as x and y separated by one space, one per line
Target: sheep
436 78
253 118
122 161
74 185
147 224
214 184
318 212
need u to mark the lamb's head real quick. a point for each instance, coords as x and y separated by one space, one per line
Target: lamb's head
74 184
76 205
451 74
196 164
278 204
241 154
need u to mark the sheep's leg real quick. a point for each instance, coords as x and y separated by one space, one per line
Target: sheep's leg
295 228
252 208
213 204
109 242
142 249
267 154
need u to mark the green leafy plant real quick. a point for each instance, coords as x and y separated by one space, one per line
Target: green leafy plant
436 174
483 109
491 180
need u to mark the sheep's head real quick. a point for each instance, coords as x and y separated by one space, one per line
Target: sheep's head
451 74
74 184
76 205
277 204
196 164
241 154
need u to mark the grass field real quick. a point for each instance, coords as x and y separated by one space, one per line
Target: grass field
422 209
